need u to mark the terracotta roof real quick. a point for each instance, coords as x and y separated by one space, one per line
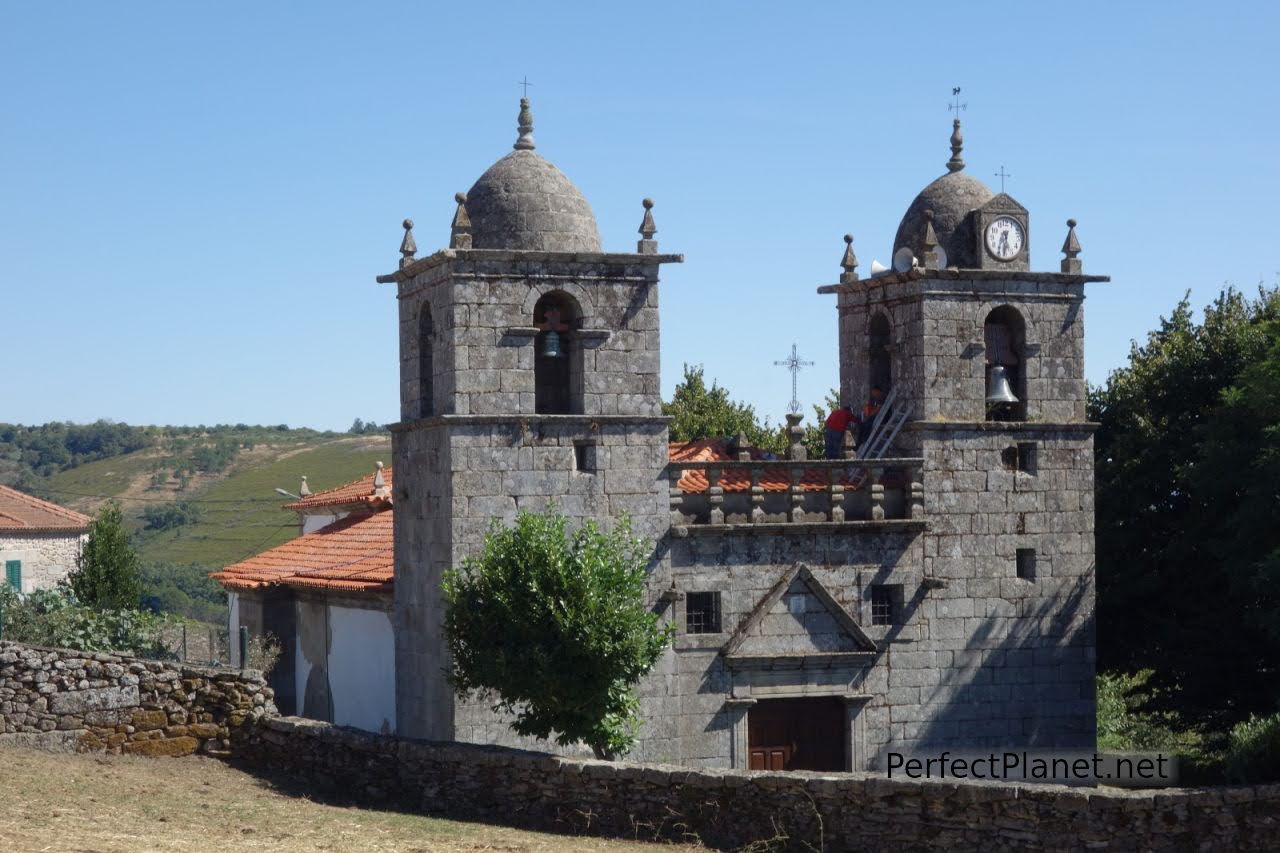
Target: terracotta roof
353 554
359 493
716 449
20 511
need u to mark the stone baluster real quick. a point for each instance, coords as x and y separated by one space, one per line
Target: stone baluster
836 492
676 496
715 494
757 496
877 493
915 499
796 511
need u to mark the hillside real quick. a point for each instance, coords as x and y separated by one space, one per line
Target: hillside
232 513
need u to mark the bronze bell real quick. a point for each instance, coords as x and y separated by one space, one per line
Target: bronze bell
998 388
551 345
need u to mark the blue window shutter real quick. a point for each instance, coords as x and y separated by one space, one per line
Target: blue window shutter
13 573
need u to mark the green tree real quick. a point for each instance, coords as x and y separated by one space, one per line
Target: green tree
553 624
106 573
1188 511
700 412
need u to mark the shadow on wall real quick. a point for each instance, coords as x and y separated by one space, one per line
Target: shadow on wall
1032 687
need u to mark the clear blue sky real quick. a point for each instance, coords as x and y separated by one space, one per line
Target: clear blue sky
195 199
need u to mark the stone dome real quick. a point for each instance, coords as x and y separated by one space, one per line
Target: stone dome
524 202
951 198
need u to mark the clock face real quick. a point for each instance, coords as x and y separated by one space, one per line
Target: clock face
1005 238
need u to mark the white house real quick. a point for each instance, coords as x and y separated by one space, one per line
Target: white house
39 541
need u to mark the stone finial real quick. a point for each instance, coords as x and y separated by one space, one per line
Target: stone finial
380 487
460 233
956 163
408 248
795 438
1071 248
647 245
930 261
525 141
304 490
849 263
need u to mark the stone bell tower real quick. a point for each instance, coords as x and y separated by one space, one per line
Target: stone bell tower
528 374
988 358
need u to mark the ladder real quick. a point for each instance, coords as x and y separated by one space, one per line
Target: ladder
884 429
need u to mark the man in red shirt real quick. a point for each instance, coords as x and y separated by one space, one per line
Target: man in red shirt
838 423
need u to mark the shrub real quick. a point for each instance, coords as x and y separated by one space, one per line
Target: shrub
51 617
264 652
554 624
1253 755
106 572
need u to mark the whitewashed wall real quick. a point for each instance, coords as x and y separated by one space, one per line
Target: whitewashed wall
362 673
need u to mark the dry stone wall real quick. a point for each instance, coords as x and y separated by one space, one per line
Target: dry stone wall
733 809
91 702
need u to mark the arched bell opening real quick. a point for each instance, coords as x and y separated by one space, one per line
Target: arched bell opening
1004 334
558 357
426 365
879 358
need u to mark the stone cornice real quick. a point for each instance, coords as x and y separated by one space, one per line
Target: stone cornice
917 274
444 256
1002 426
552 420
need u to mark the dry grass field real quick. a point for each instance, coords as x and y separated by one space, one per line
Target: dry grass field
124 803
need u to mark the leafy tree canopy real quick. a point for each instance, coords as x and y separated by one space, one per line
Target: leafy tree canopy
553 624
699 412
1188 509
106 573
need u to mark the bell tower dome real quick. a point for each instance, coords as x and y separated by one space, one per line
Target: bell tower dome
528 375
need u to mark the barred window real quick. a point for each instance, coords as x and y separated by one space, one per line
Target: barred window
886 604
702 613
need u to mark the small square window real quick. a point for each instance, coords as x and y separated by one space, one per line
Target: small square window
1026 563
702 613
886 604
584 456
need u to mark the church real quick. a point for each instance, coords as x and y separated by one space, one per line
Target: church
934 591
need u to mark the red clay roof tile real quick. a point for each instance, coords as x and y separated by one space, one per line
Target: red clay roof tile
20 511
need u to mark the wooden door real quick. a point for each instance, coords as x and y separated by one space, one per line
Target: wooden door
796 734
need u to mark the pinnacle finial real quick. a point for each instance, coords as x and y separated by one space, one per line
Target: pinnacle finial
849 263
647 245
304 490
525 141
408 247
380 487
956 163
1071 248
460 232
930 261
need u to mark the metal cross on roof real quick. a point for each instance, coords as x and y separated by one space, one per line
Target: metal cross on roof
795 364
1002 174
956 107
526 84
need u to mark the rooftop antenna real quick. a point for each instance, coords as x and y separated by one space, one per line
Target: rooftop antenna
794 364
1002 174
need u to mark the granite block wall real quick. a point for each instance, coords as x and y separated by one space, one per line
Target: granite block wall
732 810
97 702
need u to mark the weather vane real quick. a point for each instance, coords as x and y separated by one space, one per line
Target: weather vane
1002 174
795 365
526 84
956 106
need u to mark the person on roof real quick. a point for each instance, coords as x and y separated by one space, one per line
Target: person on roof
869 412
838 423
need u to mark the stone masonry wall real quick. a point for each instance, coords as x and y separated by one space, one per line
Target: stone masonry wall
46 557
92 702
733 809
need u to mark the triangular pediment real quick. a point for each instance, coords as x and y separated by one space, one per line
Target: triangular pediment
1003 203
798 621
